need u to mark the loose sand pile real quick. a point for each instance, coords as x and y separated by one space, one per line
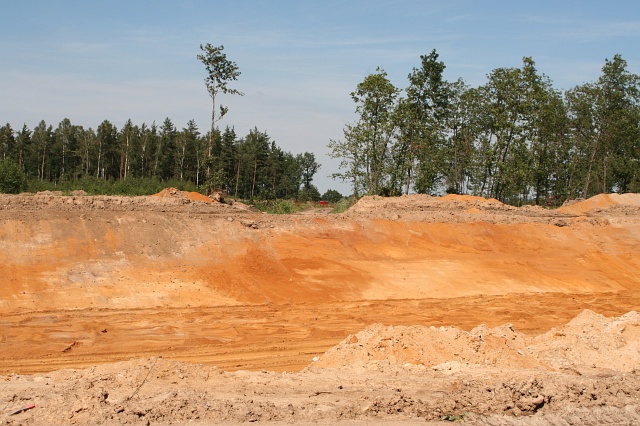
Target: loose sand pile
175 193
424 203
589 341
601 202
585 372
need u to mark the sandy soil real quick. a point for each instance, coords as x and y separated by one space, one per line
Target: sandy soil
173 309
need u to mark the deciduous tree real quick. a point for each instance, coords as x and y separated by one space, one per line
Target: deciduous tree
220 72
365 151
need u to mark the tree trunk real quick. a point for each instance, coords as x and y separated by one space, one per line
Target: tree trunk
44 153
63 157
237 178
99 155
182 163
604 175
211 132
142 154
126 159
198 172
586 185
255 171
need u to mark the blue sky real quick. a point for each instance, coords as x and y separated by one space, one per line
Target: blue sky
95 60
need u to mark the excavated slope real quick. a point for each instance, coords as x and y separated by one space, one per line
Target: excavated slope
91 279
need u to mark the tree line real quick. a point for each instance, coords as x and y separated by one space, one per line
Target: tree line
249 167
252 167
515 138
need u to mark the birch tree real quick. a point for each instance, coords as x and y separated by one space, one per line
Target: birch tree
220 72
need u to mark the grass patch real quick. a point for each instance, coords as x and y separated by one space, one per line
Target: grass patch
277 206
94 186
344 204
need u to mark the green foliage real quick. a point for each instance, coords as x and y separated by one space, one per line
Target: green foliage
429 107
308 167
151 158
220 72
454 417
344 204
309 194
364 153
278 206
332 196
94 186
12 178
514 138
8 143
261 170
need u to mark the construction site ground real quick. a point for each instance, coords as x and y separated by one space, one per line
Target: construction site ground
173 309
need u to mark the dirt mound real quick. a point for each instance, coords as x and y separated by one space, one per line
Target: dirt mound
450 208
422 202
165 201
589 341
470 199
429 346
175 193
514 389
601 202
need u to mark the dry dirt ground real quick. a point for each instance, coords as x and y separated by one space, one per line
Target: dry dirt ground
171 309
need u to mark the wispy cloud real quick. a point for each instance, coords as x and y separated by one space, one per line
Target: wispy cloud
600 31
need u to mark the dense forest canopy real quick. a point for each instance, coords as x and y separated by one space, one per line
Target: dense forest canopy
249 167
515 138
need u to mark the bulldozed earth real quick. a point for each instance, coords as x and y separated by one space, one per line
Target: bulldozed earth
174 309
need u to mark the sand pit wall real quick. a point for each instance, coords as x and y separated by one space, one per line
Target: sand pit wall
132 254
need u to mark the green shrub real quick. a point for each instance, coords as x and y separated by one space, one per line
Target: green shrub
94 186
332 196
344 204
283 207
277 206
12 178
309 194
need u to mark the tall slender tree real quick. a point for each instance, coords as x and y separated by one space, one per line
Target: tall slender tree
41 143
7 142
365 151
128 138
220 72
107 137
85 150
23 140
308 166
148 149
166 155
428 95
228 161
65 147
